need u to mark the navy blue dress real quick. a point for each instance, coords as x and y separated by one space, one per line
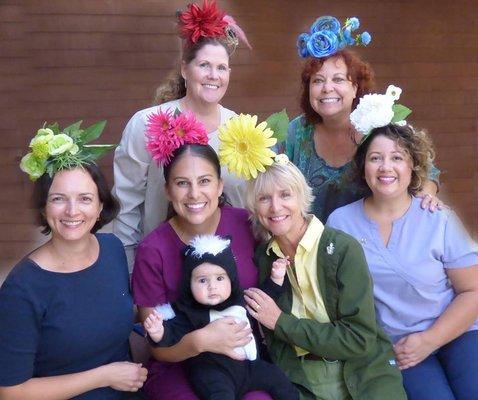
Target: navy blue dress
60 323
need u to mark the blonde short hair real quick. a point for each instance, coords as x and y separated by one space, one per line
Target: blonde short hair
287 176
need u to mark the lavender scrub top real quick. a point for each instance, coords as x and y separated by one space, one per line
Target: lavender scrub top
411 287
156 280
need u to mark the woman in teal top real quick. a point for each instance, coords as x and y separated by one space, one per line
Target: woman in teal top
322 141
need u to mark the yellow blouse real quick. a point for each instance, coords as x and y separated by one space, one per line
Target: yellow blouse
307 301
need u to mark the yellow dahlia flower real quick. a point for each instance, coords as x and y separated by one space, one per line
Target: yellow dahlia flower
244 147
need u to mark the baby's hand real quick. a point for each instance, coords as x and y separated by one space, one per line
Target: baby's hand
279 268
154 326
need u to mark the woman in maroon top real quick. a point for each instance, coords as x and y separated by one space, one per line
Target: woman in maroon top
194 188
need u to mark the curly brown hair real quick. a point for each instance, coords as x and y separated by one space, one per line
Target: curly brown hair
359 72
416 143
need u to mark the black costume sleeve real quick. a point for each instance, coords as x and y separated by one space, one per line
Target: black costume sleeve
174 330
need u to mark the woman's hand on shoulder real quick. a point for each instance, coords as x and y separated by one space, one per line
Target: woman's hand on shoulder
430 202
124 376
428 194
262 307
223 335
413 349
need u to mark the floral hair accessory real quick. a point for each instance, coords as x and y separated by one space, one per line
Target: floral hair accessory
209 22
167 131
281 159
376 110
245 147
53 150
326 37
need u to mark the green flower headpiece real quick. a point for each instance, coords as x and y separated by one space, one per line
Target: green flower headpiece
53 150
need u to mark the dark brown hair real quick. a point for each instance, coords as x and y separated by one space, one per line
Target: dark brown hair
359 72
110 204
416 143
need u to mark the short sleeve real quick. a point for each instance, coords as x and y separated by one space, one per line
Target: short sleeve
19 333
434 175
148 285
460 250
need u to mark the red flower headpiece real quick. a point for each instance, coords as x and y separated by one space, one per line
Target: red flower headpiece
197 22
166 132
210 22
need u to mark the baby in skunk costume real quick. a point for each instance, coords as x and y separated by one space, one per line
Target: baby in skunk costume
210 290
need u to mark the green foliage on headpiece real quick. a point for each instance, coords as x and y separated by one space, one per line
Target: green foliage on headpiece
278 123
400 112
53 149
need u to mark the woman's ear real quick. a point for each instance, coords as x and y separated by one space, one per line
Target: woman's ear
183 69
221 187
166 191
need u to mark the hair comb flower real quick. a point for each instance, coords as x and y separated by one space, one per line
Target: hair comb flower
167 131
53 150
210 22
326 37
245 146
281 159
377 110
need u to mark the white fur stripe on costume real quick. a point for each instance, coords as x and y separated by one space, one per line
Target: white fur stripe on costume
166 311
208 244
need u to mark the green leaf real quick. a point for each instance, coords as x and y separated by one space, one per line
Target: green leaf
92 132
55 128
279 123
400 112
95 151
72 129
177 111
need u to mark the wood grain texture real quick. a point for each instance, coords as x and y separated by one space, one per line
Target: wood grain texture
91 60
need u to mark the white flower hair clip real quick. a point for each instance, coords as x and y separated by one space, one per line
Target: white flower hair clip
377 110
281 159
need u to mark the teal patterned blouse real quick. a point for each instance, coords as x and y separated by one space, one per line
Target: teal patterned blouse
333 187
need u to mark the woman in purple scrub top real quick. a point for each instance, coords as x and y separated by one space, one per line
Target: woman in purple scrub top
424 266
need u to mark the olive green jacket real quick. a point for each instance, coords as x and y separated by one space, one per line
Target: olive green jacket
352 336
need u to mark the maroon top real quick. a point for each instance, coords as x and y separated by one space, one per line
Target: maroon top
158 263
156 279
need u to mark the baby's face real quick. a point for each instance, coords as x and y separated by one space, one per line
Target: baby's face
210 284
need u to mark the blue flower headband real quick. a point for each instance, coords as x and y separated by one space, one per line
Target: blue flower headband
326 37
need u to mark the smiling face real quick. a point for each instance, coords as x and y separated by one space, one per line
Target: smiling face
193 187
210 284
388 168
73 204
278 210
207 75
331 93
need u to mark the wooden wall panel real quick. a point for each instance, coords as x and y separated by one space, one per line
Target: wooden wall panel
89 59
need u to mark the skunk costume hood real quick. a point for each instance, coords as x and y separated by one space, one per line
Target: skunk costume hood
215 250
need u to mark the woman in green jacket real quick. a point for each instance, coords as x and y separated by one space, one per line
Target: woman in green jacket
321 330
